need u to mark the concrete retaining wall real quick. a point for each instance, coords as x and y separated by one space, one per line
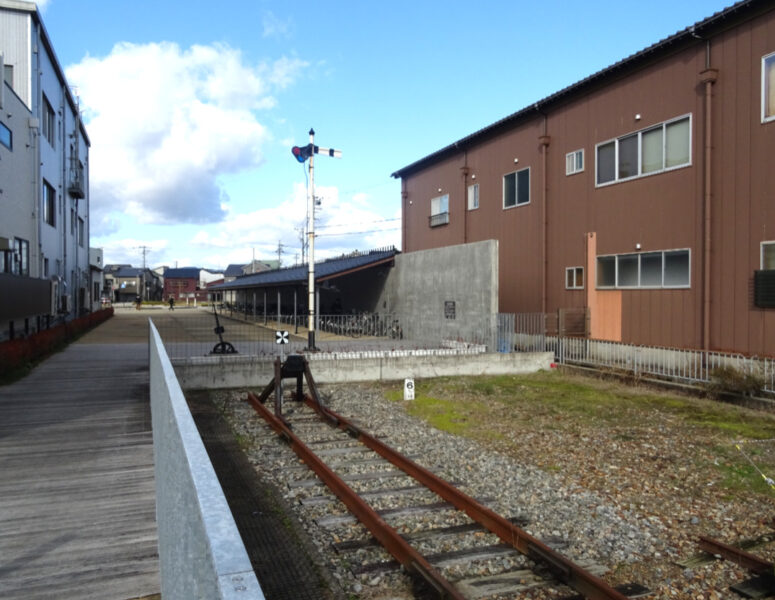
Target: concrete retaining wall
213 372
201 553
445 293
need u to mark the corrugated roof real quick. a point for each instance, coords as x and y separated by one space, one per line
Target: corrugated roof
689 35
323 270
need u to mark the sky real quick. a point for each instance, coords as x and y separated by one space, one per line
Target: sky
192 107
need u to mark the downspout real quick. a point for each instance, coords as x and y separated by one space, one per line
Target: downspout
544 141
405 211
464 172
35 133
708 77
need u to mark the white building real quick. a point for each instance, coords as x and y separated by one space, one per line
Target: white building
44 174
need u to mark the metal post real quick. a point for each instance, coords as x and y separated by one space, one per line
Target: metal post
279 312
295 318
311 244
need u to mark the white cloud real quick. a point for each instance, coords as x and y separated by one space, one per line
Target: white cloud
275 27
128 251
341 226
165 122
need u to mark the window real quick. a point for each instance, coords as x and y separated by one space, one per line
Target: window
663 269
6 137
768 87
21 257
652 150
49 121
574 278
439 210
45 268
72 221
81 235
516 188
49 204
574 162
768 256
473 196
8 74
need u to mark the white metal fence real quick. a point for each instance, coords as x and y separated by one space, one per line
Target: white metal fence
683 365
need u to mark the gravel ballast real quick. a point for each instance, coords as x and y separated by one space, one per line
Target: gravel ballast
626 498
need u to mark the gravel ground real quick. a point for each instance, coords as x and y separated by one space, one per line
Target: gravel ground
630 492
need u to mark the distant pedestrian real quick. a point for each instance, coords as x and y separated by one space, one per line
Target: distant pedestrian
138 302
172 303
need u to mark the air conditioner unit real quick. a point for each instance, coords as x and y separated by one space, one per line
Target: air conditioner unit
764 288
6 244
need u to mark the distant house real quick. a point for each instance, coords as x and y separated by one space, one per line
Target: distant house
257 266
97 277
183 285
124 283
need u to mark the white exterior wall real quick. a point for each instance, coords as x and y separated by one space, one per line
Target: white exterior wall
25 45
17 193
15 34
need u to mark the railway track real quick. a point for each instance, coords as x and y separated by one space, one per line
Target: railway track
452 545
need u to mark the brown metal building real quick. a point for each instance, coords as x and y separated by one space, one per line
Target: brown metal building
644 193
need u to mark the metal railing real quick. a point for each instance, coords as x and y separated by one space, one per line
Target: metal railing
677 364
191 332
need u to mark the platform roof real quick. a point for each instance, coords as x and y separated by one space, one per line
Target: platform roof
328 269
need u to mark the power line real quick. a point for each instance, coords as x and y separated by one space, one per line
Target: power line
344 233
360 223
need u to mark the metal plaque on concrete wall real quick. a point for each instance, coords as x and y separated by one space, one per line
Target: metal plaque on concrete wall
449 309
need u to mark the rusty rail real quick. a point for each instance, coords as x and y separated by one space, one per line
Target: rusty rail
412 560
745 559
566 571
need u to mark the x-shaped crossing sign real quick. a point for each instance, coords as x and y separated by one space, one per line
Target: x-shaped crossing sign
281 337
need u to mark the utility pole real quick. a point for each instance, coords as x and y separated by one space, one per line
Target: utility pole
279 253
143 293
144 250
302 154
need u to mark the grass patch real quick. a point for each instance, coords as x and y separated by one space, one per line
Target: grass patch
742 477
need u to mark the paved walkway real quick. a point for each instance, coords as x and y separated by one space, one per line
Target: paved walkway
77 504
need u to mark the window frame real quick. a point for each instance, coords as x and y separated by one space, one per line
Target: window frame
81 231
574 156
765 87
437 217
575 271
472 203
4 129
639 161
21 265
48 122
762 246
640 255
516 188
49 202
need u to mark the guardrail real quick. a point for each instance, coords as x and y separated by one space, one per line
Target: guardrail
201 554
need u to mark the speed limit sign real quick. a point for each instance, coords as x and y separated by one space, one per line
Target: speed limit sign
408 389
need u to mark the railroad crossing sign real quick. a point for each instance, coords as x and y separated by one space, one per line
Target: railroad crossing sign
408 389
281 337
